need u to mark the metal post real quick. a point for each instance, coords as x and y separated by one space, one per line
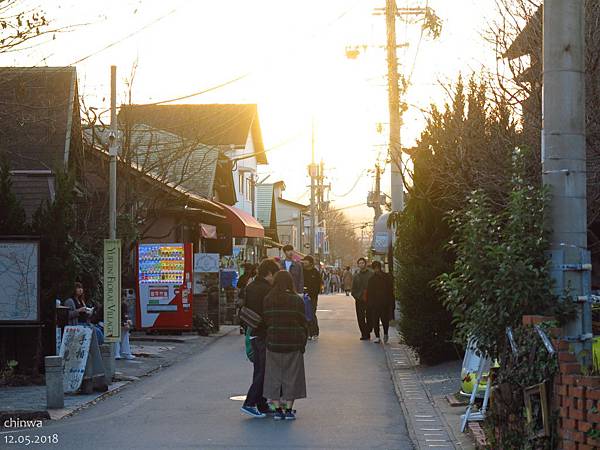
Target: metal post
312 168
113 150
564 154
377 194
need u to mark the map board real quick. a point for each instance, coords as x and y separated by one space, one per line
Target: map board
19 278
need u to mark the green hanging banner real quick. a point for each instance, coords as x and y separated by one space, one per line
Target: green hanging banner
112 290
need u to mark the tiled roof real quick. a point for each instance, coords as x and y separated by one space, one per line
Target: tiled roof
214 124
169 158
39 111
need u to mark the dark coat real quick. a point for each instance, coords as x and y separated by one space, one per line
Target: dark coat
255 296
312 282
287 329
359 284
380 293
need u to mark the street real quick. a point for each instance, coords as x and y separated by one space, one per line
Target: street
351 401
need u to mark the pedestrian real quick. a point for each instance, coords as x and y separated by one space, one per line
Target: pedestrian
347 280
359 292
293 267
287 331
326 281
123 347
245 279
255 404
335 282
312 283
82 310
380 301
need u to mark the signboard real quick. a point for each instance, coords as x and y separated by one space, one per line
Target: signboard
75 349
112 290
19 281
206 262
81 356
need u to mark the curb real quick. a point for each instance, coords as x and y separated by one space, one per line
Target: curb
58 414
410 422
405 411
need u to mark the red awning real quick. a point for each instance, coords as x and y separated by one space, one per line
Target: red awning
243 224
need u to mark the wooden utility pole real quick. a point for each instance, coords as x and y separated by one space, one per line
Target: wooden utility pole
564 158
394 107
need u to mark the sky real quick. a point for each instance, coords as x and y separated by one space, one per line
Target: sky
292 59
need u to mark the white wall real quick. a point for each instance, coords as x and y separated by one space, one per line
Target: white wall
241 177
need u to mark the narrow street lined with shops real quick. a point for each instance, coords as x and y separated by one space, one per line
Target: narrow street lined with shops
351 401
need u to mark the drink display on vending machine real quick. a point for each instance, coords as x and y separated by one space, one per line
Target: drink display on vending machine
164 286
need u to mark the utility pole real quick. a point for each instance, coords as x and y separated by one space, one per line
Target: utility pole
374 198
113 150
394 107
564 158
312 172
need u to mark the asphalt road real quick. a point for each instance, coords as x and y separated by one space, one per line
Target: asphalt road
351 402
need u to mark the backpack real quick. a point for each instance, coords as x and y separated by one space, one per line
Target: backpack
308 310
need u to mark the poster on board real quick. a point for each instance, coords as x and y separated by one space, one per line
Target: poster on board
75 349
19 278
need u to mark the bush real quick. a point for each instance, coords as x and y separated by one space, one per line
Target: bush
501 270
425 323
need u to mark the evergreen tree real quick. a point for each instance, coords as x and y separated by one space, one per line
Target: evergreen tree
465 147
12 215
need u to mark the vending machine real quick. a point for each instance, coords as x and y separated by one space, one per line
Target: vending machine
164 287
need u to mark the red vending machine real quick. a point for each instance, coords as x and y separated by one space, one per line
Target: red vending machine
164 286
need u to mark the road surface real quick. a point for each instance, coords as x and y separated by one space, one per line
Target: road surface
351 402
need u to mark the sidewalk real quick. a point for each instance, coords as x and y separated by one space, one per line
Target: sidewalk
152 354
422 390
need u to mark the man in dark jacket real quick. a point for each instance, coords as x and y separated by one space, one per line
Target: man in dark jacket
380 301
359 292
255 404
312 284
293 267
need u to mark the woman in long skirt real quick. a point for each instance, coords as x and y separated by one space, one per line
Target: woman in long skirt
287 332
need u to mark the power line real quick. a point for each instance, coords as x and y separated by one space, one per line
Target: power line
360 175
130 35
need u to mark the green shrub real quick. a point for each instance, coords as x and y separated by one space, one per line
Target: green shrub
501 270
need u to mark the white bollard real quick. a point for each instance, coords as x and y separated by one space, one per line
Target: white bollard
55 392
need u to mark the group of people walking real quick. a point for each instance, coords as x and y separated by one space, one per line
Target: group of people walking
285 321
278 340
373 294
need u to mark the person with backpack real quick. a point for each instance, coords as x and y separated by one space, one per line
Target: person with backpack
287 332
312 283
255 404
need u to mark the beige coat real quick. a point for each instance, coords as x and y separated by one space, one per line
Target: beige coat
347 280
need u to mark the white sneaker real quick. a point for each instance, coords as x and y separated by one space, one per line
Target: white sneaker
117 356
130 357
377 341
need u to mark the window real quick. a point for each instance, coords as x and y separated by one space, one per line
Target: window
241 182
249 190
